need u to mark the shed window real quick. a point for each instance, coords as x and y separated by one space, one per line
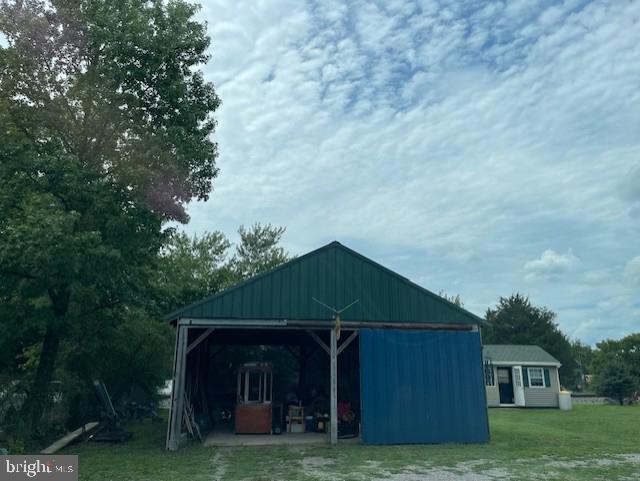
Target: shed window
536 377
488 374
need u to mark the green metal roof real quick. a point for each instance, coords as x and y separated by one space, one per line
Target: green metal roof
517 353
336 276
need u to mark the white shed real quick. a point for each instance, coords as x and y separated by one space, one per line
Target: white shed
520 376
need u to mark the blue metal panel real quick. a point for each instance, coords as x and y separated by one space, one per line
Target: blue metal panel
422 387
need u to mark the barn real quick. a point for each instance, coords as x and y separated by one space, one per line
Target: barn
376 356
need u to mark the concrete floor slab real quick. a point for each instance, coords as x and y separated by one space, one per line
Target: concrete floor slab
284 439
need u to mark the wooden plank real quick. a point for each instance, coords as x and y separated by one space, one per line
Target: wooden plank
319 341
346 343
200 338
63 441
334 387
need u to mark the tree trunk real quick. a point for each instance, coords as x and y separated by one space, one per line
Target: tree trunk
39 394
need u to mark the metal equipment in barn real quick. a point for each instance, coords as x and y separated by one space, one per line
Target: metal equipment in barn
109 430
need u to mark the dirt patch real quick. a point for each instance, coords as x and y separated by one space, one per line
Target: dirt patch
594 462
316 467
323 469
219 465
465 471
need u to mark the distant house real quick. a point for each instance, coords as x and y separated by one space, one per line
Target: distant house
520 376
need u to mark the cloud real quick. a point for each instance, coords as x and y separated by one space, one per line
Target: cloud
632 271
630 190
550 265
470 135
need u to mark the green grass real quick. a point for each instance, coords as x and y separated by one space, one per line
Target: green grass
588 443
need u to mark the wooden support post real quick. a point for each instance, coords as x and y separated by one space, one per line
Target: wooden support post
173 383
334 387
177 392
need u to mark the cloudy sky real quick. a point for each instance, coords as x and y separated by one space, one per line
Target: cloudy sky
477 148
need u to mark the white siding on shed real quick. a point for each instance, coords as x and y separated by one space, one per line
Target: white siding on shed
547 397
534 397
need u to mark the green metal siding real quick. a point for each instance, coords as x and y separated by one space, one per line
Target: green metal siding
336 276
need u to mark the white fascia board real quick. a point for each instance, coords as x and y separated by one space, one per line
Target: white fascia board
534 364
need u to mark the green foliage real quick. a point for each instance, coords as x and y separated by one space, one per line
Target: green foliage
114 86
516 321
106 124
192 268
130 348
625 350
614 379
258 250
452 299
616 365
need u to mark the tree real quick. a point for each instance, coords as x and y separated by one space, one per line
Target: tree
516 321
452 299
583 356
193 268
106 124
616 365
258 251
625 350
614 379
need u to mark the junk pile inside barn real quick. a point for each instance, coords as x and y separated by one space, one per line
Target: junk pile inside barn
410 364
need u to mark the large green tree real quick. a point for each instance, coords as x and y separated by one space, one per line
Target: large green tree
614 379
625 350
616 366
516 321
106 123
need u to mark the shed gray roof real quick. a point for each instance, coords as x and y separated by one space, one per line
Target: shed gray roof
517 353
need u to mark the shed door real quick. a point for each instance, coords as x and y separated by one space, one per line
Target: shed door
518 386
422 387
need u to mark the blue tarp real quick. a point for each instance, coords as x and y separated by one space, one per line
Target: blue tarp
421 387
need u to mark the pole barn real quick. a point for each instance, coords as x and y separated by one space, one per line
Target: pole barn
401 363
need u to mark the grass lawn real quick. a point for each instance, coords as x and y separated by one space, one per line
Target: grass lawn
588 443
